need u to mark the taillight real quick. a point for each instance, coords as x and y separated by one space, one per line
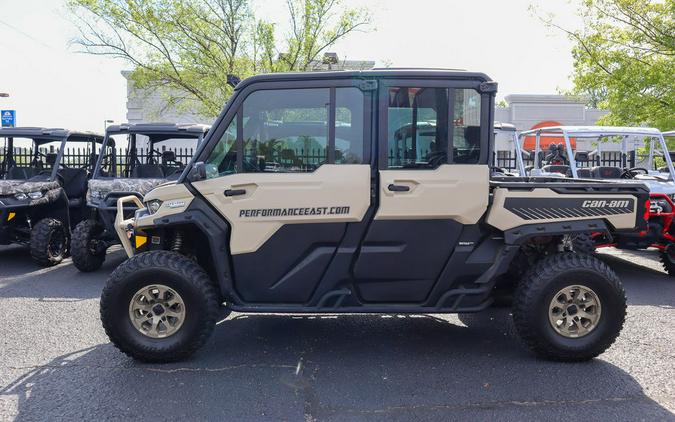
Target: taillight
647 205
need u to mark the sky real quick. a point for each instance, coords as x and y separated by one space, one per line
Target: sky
52 84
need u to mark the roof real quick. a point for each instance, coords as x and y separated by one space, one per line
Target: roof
159 128
504 127
406 73
43 132
594 131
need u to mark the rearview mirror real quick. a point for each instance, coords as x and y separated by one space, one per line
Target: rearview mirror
197 172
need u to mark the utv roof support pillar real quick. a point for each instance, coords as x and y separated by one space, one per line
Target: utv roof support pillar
570 154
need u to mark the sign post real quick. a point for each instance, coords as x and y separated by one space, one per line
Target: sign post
8 118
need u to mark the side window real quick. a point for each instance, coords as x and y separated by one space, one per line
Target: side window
417 127
466 126
349 128
223 159
286 130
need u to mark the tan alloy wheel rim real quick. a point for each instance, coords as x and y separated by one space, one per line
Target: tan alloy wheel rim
157 311
574 311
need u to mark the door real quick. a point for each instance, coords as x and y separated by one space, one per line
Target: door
289 172
433 183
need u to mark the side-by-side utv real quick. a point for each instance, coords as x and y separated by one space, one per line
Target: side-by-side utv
657 177
363 192
43 182
134 159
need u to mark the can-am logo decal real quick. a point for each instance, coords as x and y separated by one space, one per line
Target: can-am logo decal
605 204
293 212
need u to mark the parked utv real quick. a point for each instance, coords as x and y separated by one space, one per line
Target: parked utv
43 182
379 199
134 159
657 177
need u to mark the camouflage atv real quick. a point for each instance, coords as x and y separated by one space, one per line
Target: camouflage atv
42 187
135 159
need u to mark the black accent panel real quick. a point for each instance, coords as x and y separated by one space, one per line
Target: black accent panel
556 208
400 260
290 265
518 235
217 231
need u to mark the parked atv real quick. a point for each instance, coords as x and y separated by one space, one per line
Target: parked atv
43 182
135 158
368 207
661 232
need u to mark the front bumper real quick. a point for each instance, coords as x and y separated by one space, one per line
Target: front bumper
125 227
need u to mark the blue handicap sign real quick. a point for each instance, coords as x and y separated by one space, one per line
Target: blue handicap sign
8 118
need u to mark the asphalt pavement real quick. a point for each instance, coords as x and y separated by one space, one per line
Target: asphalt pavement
57 364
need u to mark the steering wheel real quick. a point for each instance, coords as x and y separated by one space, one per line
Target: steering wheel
632 172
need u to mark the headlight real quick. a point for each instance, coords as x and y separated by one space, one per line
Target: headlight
32 195
153 206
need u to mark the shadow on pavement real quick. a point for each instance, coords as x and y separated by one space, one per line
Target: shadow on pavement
644 285
21 277
384 367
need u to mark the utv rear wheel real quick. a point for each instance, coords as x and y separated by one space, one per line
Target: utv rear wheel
49 241
87 249
569 307
159 306
668 259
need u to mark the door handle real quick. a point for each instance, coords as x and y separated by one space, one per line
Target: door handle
235 192
398 188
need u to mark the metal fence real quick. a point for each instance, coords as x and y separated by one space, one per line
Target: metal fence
84 158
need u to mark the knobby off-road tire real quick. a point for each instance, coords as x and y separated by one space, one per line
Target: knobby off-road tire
542 283
85 258
183 277
49 240
667 257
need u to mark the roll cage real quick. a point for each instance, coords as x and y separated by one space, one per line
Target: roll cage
156 134
599 132
42 136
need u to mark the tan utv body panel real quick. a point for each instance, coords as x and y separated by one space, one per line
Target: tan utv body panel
458 192
175 200
255 216
503 219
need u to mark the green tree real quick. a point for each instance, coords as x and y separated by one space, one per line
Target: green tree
624 60
186 48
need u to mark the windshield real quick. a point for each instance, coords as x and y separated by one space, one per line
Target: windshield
24 158
139 156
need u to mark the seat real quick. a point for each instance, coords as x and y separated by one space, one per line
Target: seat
148 171
605 172
584 173
74 184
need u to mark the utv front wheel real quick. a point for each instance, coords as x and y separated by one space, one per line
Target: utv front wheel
49 240
569 307
87 250
159 306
